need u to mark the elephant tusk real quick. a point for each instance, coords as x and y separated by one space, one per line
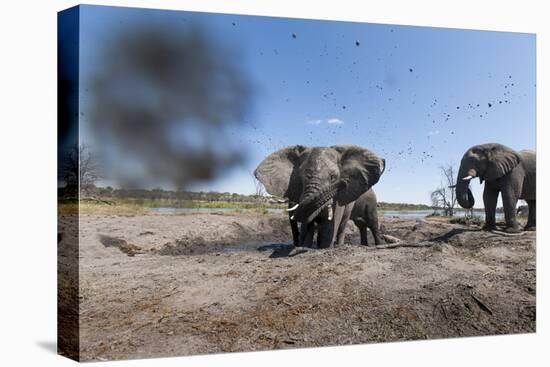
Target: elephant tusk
330 212
292 218
293 208
467 178
452 186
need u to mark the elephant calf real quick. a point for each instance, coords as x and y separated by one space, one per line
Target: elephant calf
365 214
506 172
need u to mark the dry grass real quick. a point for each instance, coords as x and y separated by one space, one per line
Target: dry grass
89 208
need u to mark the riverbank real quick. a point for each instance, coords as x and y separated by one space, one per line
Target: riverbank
133 207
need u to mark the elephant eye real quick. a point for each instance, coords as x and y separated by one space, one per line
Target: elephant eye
333 176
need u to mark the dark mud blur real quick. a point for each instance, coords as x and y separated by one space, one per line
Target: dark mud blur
162 102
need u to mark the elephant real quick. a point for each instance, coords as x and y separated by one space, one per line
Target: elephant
321 185
365 214
505 171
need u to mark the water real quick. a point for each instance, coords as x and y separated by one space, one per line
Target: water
208 210
419 214
258 246
403 214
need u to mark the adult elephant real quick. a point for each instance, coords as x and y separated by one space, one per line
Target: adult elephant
321 184
505 171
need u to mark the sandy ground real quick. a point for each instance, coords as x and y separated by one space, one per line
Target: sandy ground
163 285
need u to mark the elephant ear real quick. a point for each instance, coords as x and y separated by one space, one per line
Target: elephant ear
360 170
276 172
500 161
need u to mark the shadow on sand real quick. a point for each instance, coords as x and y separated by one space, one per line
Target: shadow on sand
282 250
453 232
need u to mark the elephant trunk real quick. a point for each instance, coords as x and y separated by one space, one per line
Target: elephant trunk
464 195
311 204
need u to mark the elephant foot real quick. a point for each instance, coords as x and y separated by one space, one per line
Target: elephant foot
489 227
514 229
379 242
530 228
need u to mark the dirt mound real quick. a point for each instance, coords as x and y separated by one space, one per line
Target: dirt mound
201 285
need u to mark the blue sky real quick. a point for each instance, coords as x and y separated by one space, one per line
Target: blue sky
417 96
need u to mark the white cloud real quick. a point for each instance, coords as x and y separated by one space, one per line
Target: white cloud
433 132
335 121
331 121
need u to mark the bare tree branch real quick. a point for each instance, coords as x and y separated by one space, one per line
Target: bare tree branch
81 170
444 197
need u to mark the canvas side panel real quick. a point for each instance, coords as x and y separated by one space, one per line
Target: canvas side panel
67 176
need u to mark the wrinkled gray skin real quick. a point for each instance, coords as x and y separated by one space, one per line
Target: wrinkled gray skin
505 171
320 180
365 215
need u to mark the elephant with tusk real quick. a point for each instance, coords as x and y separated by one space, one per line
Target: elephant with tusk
506 172
322 185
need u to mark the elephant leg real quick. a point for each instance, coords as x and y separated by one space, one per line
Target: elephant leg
294 226
306 234
362 225
335 225
295 231
325 233
375 229
343 223
364 236
532 216
509 202
490 197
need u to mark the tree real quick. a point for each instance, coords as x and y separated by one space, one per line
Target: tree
444 196
80 170
438 198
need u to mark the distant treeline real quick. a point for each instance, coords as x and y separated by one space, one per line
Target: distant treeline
402 206
171 197
166 195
